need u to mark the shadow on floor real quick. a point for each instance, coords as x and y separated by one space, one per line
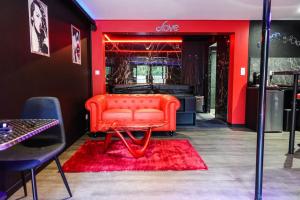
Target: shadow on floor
208 121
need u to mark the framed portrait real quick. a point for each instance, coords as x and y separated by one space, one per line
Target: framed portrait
76 45
38 26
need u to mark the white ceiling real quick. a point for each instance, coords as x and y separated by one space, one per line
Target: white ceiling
189 9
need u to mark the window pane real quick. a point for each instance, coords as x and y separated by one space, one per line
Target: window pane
158 74
142 73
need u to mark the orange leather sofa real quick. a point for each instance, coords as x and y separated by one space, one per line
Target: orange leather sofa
132 107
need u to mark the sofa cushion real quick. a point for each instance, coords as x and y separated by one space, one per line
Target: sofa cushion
117 114
148 114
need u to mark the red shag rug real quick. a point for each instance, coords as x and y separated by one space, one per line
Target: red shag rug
160 155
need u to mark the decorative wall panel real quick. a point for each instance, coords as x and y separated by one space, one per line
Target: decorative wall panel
222 77
146 63
276 64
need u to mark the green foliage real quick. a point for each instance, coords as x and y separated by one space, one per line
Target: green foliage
142 70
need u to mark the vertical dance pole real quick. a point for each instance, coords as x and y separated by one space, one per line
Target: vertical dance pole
262 98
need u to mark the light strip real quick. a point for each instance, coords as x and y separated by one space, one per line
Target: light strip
142 40
143 51
86 8
106 37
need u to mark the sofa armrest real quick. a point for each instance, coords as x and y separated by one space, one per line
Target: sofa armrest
169 104
95 105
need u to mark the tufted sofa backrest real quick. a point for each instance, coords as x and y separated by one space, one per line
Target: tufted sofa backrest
133 102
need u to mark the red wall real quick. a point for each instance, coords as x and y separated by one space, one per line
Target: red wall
239 36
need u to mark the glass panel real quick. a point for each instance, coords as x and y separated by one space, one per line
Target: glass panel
107 70
140 66
142 74
158 73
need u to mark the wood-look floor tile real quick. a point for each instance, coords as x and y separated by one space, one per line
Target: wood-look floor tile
229 153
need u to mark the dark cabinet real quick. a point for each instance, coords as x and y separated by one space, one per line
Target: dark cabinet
274 109
186 114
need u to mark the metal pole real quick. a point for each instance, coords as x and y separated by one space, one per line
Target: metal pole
292 132
262 98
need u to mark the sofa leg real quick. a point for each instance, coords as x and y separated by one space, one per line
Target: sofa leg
171 133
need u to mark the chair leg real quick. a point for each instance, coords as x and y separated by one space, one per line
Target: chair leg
63 176
24 183
33 182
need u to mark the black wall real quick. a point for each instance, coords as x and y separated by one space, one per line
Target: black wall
24 74
284 53
284 39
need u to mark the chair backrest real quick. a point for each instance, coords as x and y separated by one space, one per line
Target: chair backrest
133 101
44 108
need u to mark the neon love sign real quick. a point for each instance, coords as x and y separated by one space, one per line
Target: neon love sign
165 27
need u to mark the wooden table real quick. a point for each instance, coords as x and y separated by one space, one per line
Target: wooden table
22 129
295 87
114 128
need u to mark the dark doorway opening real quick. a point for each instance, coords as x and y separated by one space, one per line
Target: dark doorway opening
205 61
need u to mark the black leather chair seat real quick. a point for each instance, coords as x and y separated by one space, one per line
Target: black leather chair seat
20 157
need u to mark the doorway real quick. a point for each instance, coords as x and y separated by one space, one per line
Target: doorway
212 65
216 97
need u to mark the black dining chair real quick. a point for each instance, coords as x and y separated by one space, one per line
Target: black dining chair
41 148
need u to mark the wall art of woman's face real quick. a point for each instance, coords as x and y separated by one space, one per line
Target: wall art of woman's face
37 18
